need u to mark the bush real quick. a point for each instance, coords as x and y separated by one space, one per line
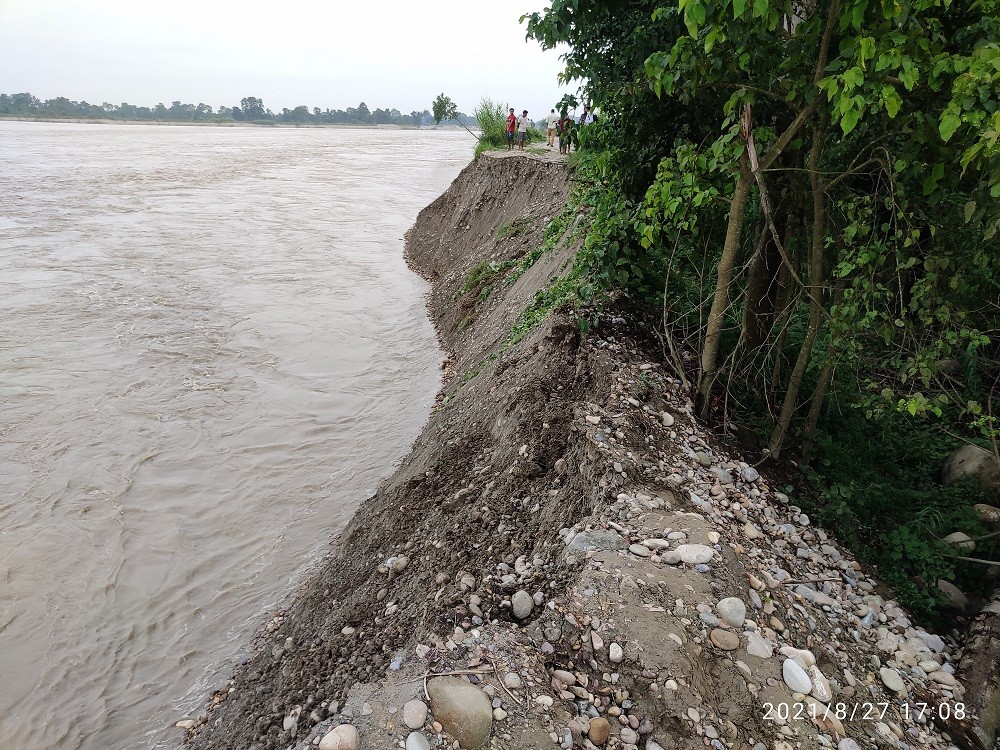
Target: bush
492 117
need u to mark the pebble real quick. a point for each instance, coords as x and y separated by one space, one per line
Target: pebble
599 731
417 741
343 737
820 685
892 680
414 714
512 680
463 710
566 678
639 550
727 640
615 653
732 610
795 677
693 554
521 604
629 736
759 647
802 656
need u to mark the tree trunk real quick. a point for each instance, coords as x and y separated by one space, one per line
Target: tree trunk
815 293
720 300
762 293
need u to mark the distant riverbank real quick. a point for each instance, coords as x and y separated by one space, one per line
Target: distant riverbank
227 124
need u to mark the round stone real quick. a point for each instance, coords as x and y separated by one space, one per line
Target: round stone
616 653
463 710
891 679
566 678
414 714
732 610
795 677
417 741
344 737
521 604
725 639
638 550
692 554
599 731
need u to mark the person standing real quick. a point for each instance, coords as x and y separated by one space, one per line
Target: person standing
563 126
587 117
511 128
550 127
523 123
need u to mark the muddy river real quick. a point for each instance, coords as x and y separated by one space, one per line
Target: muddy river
211 351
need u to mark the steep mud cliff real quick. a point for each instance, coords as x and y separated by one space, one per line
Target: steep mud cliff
565 539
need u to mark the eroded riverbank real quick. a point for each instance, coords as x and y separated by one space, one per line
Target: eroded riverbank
566 539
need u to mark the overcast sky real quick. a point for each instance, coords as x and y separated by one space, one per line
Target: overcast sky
321 53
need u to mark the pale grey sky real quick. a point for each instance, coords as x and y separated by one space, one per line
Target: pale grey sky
321 53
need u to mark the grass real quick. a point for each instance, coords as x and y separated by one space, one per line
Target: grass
492 117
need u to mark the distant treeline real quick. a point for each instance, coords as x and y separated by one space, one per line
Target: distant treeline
250 109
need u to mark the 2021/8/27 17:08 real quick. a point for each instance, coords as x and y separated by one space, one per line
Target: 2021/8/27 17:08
786 711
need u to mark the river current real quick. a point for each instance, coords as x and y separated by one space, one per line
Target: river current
211 351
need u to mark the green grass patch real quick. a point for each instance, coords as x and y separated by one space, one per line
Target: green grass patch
515 228
561 292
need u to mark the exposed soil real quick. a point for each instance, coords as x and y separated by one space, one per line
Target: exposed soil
532 448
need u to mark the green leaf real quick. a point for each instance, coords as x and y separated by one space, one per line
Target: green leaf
970 208
739 7
698 12
949 124
850 120
891 100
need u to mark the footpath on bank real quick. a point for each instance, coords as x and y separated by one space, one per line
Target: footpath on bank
567 559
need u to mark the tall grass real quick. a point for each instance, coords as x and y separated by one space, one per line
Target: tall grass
492 117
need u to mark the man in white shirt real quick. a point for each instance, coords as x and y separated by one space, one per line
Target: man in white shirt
550 125
587 117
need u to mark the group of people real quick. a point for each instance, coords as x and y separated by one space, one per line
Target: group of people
556 126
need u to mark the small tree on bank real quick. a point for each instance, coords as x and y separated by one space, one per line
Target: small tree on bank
443 108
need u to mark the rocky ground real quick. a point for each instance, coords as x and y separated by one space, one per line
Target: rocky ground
568 560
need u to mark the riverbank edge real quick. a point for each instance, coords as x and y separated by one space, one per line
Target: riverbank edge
234 124
568 469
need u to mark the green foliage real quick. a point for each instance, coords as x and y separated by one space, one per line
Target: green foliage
876 484
492 119
864 278
443 108
562 292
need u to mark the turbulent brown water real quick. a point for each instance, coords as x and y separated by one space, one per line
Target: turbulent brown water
210 353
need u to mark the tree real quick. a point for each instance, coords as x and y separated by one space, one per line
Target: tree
252 108
443 108
804 192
